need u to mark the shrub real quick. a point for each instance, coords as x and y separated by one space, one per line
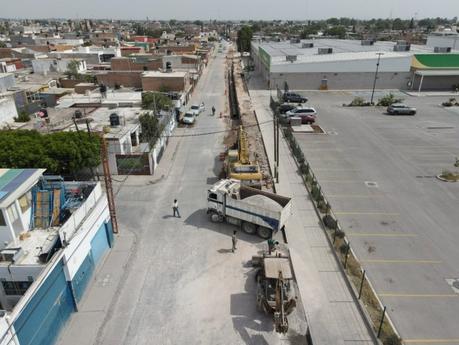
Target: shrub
388 100
340 234
304 168
359 102
23 116
330 222
450 102
344 248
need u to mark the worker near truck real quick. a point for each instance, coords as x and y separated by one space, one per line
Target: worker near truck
234 240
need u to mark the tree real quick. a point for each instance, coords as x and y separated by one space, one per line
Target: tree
244 37
338 31
155 101
72 70
2 44
151 129
308 31
62 153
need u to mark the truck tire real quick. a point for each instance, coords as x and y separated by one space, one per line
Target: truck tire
264 232
249 228
215 217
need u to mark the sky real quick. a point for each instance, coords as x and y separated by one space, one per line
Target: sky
228 9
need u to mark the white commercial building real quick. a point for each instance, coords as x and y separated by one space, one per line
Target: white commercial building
338 64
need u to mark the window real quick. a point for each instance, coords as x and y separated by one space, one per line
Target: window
12 212
25 201
16 288
213 196
2 219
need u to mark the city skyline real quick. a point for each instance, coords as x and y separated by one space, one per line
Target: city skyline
219 10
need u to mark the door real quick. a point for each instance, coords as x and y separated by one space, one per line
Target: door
215 202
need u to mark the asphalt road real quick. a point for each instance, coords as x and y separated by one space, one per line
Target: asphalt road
183 284
378 172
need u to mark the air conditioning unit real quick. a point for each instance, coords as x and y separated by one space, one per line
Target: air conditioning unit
295 40
367 42
323 51
291 58
402 47
442 49
307 45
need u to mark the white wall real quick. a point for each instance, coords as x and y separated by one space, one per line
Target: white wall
443 41
390 64
42 66
8 110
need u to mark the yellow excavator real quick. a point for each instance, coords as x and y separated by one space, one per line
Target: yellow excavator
239 166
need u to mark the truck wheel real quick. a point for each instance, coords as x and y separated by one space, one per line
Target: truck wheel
215 217
249 228
264 232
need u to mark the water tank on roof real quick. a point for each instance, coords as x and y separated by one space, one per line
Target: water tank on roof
114 120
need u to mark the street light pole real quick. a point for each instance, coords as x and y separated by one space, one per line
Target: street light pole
376 76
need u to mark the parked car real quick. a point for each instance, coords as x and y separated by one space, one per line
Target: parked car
294 97
307 114
284 107
197 109
400 109
189 118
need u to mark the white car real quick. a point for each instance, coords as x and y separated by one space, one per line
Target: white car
197 109
189 118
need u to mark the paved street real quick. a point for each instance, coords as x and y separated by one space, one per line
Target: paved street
182 284
378 172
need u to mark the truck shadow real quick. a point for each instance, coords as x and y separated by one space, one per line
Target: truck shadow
200 220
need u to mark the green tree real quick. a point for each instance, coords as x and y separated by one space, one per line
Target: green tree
244 37
2 44
72 70
151 129
62 153
155 101
338 31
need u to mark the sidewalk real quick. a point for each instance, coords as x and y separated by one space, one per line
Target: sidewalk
84 325
331 312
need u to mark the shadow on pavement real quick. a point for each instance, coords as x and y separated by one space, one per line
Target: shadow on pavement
200 219
225 251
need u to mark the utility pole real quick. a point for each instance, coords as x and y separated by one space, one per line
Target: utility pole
376 76
108 183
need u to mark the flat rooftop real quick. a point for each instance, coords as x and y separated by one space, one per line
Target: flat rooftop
158 74
342 50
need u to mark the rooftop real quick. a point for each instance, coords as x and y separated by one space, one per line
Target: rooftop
342 50
15 182
159 74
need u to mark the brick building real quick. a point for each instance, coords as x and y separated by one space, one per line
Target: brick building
170 81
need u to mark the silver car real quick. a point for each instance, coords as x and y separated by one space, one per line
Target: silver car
400 109
189 118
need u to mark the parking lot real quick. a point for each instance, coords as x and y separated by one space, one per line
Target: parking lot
379 174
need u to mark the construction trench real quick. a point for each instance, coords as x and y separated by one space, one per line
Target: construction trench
242 114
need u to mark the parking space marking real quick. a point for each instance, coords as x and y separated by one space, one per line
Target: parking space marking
340 181
345 213
379 234
355 196
401 261
415 295
431 341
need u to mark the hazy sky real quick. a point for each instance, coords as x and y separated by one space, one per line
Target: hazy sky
228 9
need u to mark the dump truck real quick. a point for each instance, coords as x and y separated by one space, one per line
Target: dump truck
255 211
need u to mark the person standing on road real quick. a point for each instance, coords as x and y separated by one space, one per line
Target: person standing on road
213 110
234 240
175 208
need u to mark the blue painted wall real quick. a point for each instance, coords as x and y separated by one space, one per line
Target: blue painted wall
82 277
47 312
99 243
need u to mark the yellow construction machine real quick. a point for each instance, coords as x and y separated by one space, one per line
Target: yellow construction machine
238 164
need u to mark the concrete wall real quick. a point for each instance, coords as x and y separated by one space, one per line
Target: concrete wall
171 83
127 64
6 81
340 81
43 66
7 110
125 78
436 83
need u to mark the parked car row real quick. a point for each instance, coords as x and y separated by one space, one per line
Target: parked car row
294 107
189 117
